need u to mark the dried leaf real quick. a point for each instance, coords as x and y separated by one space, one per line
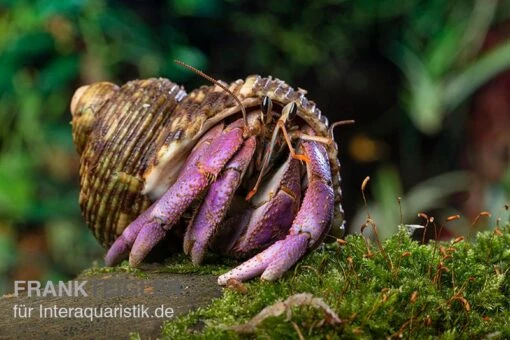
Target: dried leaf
277 309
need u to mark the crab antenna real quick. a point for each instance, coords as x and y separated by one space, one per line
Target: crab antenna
340 122
214 81
280 125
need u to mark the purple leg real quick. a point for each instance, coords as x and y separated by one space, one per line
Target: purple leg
151 227
216 203
312 221
275 260
201 148
120 248
232 227
276 205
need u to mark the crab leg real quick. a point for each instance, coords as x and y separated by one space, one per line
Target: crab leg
310 224
216 203
153 225
276 206
120 248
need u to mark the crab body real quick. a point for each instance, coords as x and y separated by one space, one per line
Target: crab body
153 156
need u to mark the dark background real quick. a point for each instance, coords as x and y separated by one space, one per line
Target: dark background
424 80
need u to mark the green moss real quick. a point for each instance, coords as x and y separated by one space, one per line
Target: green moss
449 290
122 268
181 264
177 263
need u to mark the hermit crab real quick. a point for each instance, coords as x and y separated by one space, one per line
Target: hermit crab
247 169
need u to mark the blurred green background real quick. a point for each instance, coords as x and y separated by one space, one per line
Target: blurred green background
426 81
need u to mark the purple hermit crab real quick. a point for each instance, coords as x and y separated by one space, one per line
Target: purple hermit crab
247 170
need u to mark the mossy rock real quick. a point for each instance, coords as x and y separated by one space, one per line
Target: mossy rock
455 289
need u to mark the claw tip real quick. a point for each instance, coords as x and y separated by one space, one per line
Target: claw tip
134 261
221 280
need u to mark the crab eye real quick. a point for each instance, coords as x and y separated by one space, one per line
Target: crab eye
266 106
292 111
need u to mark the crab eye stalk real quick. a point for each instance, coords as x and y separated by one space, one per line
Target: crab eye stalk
292 111
266 107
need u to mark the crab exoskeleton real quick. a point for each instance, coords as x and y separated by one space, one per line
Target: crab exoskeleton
256 169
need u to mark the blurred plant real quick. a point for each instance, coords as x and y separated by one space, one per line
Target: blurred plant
436 45
50 47
429 194
440 50
47 48
440 58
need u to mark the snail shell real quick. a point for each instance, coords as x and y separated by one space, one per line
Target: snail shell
133 140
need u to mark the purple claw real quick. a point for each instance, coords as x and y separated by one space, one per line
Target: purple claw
201 148
312 221
272 262
120 248
216 203
277 203
253 267
180 195
150 235
316 212
293 247
150 227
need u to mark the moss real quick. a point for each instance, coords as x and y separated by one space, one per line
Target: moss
181 264
177 263
122 268
450 290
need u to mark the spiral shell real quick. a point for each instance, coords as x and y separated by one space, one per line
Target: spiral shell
133 140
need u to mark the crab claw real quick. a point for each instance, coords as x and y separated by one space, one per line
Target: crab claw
151 226
216 203
122 245
308 228
276 205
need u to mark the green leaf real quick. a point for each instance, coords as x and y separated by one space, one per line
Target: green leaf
424 101
196 7
65 7
17 189
459 88
59 73
8 253
444 50
29 45
387 188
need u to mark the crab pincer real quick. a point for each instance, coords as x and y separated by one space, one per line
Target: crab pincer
308 228
152 226
274 208
216 203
